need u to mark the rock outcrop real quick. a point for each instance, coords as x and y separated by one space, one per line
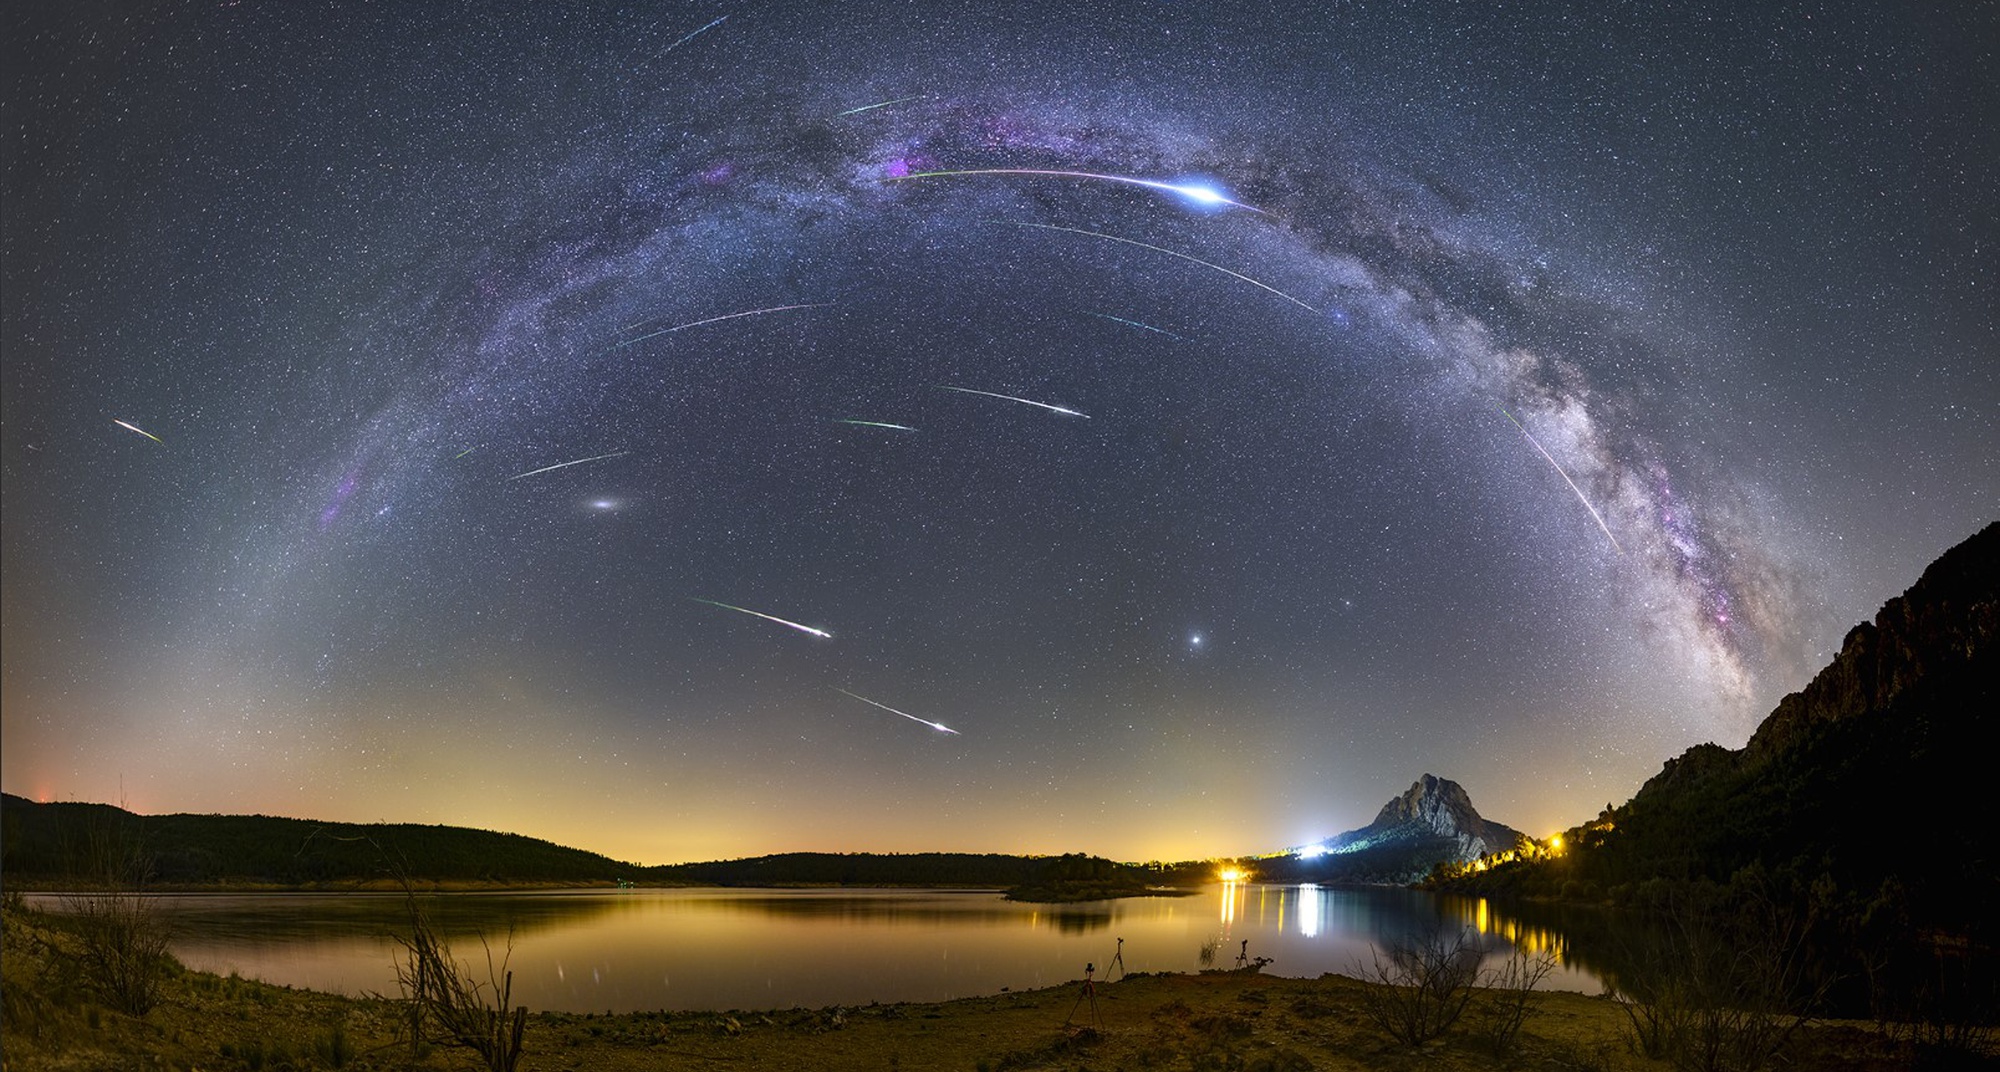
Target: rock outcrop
1933 646
1867 794
1941 628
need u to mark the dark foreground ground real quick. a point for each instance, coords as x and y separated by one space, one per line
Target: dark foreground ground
1212 1021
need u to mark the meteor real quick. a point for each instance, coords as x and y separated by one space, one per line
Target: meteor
1201 195
1595 516
820 633
1168 252
565 465
717 320
883 104
141 431
685 38
876 424
938 726
1013 398
1136 324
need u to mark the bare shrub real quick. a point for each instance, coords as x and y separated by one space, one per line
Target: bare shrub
122 934
122 949
1511 996
1945 1015
1421 985
451 1005
1209 947
1719 996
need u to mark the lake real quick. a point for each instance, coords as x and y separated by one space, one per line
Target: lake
706 948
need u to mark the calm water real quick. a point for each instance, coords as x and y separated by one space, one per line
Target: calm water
628 950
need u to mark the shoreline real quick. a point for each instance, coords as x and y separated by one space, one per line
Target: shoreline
1210 1019
33 887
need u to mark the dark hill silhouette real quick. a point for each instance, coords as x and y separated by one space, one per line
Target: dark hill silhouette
60 844
1865 791
51 843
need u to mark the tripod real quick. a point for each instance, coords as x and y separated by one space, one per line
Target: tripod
1117 962
1089 991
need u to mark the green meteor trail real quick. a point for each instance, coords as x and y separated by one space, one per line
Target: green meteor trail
141 431
879 104
1137 324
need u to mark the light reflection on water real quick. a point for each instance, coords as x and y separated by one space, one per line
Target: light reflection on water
628 950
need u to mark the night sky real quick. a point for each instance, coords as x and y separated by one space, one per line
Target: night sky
1218 416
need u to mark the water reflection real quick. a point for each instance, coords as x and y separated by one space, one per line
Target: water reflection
1076 919
1309 910
625 950
1232 902
1488 921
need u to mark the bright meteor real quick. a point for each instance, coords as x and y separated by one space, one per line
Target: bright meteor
820 633
875 424
141 431
1572 484
1201 195
1015 398
1168 252
565 465
938 726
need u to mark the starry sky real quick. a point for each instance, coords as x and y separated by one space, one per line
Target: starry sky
651 427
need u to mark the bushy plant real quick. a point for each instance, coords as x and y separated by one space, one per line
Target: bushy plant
332 1047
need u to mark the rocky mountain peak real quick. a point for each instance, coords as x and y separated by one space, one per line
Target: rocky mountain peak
1430 823
1438 804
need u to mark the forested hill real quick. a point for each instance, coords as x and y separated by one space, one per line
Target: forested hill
61 843
858 869
51 845
1049 874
